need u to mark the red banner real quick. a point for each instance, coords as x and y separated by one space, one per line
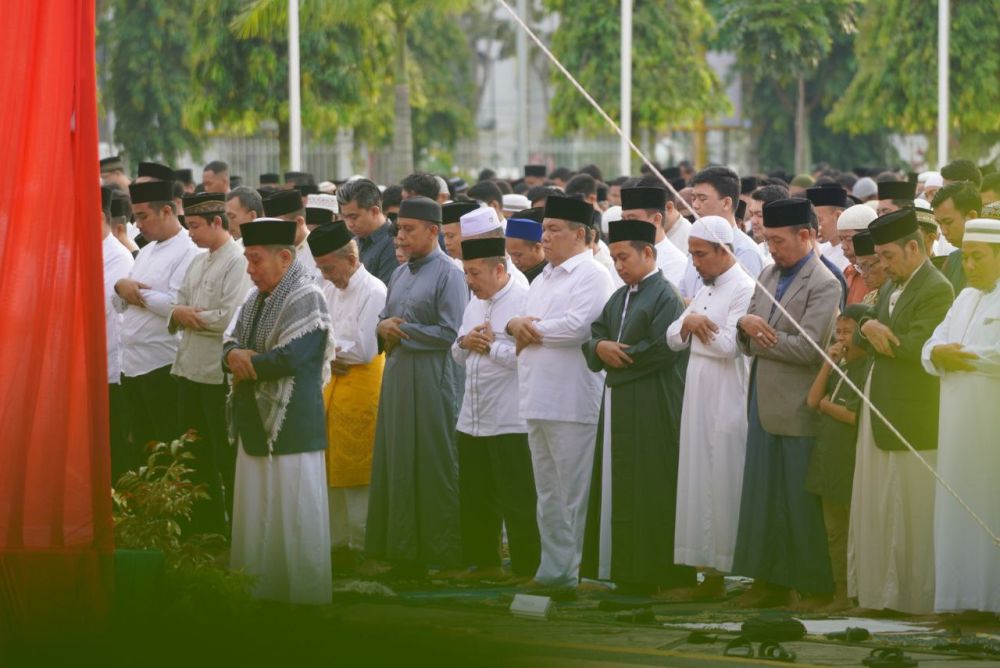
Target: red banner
55 512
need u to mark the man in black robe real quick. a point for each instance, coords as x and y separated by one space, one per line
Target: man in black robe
630 521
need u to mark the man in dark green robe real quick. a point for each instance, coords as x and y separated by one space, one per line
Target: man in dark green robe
630 520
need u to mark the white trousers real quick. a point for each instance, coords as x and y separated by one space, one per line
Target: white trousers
348 512
562 454
281 526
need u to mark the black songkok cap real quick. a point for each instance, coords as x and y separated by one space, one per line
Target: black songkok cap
184 176
863 244
631 230
206 205
893 226
235 181
151 191
282 203
420 208
111 163
328 237
270 179
318 216
120 206
476 249
536 214
748 184
307 189
824 196
155 170
268 232
534 170
106 200
786 212
452 212
644 198
897 190
569 208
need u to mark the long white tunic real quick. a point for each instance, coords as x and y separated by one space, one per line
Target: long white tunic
713 427
967 564
679 233
671 261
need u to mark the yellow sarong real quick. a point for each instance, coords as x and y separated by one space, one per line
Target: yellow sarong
351 410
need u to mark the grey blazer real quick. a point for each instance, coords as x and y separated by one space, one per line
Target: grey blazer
785 372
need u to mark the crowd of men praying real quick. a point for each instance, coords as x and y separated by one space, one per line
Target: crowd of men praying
645 383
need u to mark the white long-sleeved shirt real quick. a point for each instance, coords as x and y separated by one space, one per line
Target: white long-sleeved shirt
671 261
553 379
490 405
679 233
147 344
354 311
117 265
724 303
217 283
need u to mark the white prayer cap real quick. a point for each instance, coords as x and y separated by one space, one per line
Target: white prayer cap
612 213
864 187
328 187
323 202
714 229
515 202
442 186
921 203
871 204
356 177
983 230
856 217
933 180
480 221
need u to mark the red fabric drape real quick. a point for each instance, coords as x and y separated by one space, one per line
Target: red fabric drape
55 513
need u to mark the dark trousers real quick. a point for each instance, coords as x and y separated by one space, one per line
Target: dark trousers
152 406
202 408
121 455
497 487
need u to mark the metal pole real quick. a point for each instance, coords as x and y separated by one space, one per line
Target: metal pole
522 87
294 88
943 67
625 156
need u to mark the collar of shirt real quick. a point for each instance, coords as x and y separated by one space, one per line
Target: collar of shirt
569 265
501 292
794 269
414 264
380 232
726 276
638 286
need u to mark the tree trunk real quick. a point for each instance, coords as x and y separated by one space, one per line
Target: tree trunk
801 129
284 145
402 130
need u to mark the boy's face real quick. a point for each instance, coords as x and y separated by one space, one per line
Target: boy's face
844 333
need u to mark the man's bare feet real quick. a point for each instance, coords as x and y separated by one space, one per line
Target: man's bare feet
752 597
593 586
809 603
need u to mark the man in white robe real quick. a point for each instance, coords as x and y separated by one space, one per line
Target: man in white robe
713 418
964 351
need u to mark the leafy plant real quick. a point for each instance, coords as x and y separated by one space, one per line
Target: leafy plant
150 505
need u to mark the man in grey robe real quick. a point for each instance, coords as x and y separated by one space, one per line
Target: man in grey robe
413 512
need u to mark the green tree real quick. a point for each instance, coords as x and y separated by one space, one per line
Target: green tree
785 42
895 87
147 48
396 18
672 83
240 74
773 125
